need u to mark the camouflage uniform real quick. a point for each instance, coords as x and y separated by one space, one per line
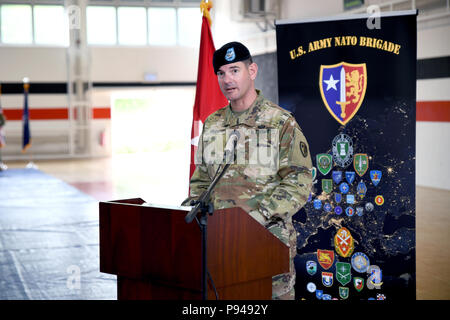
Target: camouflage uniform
271 190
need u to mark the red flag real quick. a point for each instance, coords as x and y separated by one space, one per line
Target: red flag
208 97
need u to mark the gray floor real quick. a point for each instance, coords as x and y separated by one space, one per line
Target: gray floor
49 244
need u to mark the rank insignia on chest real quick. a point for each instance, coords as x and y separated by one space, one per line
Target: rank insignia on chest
343 87
343 242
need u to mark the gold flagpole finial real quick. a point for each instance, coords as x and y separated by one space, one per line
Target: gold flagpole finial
204 8
26 83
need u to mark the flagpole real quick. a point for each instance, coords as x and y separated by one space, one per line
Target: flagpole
26 125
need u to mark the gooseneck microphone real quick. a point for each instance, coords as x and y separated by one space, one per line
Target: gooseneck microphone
230 147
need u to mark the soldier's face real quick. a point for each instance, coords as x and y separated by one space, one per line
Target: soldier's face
236 79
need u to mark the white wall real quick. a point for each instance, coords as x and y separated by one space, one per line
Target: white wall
298 9
432 138
128 64
45 64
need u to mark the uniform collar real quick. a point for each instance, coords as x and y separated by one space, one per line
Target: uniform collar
248 117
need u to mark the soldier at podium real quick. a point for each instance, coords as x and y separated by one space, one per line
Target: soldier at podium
270 177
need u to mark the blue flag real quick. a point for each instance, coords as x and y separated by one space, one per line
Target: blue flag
25 118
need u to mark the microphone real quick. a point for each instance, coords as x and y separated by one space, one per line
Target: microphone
231 146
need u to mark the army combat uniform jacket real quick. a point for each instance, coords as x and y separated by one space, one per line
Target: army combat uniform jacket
270 176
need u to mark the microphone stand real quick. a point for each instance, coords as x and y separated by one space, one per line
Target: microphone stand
205 207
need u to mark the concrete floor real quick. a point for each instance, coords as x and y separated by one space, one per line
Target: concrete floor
123 177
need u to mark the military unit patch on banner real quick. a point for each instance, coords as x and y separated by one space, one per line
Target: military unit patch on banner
360 262
369 206
350 176
317 204
326 297
375 279
350 198
319 294
337 176
375 176
361 189
360 211
349 212
343 292
324 163
311 287
314 173
343 86
361 163
327 279
327 185
343 272
379 200
342 147
311 267
343 187
343 242
337 197
358 283
325 258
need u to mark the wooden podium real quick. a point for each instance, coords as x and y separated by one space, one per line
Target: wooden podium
157 255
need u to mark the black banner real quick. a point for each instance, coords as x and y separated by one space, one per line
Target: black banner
351 84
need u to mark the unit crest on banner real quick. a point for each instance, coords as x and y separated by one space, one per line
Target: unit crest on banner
343 86
342 150
325 258
343 242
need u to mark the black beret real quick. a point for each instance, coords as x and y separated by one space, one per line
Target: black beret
230 53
